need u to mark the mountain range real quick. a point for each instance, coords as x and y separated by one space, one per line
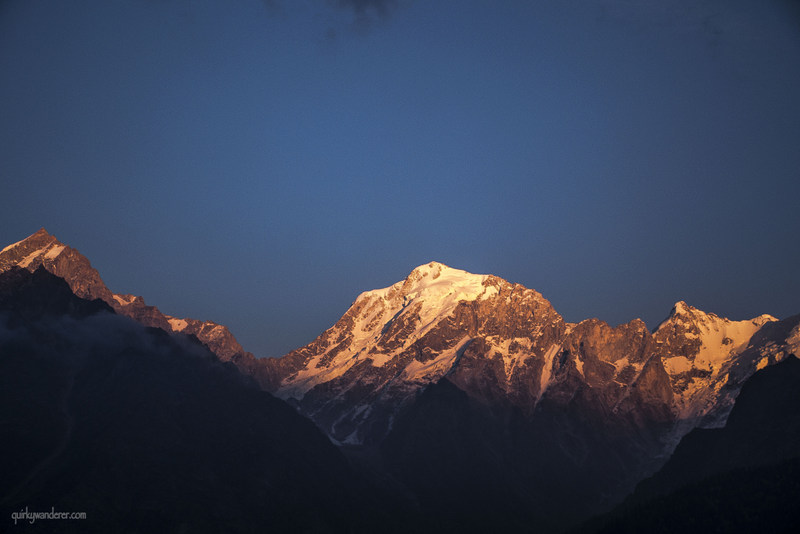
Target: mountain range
466 400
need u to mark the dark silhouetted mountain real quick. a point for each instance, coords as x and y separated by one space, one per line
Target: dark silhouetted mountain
744 477
763 428
147 431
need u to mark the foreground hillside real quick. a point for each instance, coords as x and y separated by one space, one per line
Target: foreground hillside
149 432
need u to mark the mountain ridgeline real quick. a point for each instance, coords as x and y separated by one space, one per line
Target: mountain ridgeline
474 390
146 431
44 250
465 401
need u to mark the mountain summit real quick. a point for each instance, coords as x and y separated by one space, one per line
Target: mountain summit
43 249
394 341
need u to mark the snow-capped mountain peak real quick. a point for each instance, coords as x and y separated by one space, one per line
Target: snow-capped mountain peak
698 349
434 283
39 235
681 308
384 324
39 246
395 341
429 293
684 313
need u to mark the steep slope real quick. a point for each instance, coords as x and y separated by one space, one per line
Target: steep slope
43 250
739 478
145 430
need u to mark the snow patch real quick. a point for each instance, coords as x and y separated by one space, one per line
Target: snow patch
677 365
177 325
511 360
123 300
12 245
380 359
54 252
438 284
681 308
579 365
298 385
432 370
30 257
721 340
547 369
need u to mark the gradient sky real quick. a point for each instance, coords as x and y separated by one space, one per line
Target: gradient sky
260 163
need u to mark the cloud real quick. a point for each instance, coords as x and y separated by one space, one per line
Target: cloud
70 339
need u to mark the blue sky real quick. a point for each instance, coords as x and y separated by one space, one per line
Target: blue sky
260 163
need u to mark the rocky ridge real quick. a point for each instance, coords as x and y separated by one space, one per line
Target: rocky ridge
505 344
44 250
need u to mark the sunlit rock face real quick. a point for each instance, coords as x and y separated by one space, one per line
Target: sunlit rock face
699 351
587 407
504 345
44 250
